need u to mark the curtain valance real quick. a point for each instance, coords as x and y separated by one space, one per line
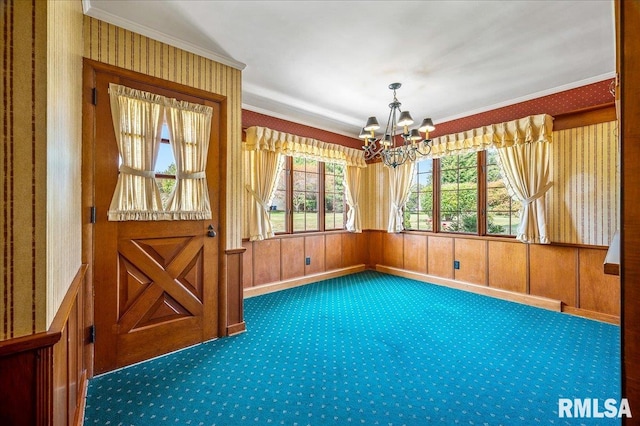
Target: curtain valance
265 139
534 128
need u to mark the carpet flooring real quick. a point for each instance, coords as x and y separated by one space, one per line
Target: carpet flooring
372 349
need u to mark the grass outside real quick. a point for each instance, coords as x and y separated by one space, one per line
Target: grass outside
302 221
423 223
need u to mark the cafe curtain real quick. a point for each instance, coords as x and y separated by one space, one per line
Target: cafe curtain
137 120
189 129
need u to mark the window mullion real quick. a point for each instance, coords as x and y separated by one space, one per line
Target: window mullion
321 195
482 193
289 197
436 194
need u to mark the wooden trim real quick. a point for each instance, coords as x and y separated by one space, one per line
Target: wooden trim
82 400
585 117
44 386
53 334
88 200
240 250
612 260
60 320
234 329
234 316
160 83
526 299
296 282
598 316
487 238
29 343
628 53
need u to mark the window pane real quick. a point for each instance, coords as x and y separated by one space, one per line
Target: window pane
459 193
165 167
334 200
311 166
305 195
503 212
419 208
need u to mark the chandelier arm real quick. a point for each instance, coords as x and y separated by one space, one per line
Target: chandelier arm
389 150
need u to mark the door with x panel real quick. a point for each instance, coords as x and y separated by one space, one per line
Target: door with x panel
155 282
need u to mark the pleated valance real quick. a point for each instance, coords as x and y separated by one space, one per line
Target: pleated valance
534 128
263 138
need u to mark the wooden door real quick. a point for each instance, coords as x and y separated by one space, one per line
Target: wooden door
155 282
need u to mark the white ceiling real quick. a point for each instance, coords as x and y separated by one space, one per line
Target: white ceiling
328 64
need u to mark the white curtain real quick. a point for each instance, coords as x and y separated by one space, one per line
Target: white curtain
526 171
399 184
137 122
189 129
264 167
352 191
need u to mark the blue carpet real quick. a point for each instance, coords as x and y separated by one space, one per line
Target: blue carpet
373 349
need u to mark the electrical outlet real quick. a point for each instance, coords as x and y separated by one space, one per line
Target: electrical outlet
307 261
456 264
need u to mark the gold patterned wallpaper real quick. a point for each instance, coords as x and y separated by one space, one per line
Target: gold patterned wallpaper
23 87
583 203
116 46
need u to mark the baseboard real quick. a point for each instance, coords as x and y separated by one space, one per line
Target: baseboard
526 299
585 313
296 282
234 329
82 400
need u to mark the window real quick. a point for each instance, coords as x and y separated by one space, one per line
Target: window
459 193
304 189
503 212
165 167
418 213
334 198
458 190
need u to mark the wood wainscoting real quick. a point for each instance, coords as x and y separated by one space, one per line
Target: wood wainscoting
43 377
280 262
233 318
570 275
559 277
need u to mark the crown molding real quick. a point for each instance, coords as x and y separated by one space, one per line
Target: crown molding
531 96
121 22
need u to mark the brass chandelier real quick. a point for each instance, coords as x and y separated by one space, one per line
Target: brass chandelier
394 147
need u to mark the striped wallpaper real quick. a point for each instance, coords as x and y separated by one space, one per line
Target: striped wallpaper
582 205
375 204
64 150
22 167
119 47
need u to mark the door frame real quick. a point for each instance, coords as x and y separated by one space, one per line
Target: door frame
90 68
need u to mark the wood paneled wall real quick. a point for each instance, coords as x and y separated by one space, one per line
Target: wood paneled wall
112 45
283 257
43 377
571 274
